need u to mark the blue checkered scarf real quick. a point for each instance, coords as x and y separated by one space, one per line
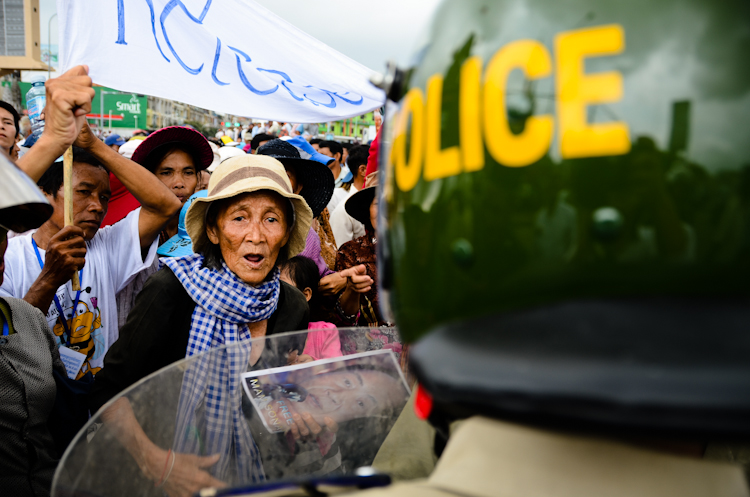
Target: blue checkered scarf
210 419
225 304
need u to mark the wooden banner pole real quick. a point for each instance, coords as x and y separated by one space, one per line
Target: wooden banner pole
68 189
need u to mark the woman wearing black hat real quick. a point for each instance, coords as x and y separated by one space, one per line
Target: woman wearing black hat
313 181
358 305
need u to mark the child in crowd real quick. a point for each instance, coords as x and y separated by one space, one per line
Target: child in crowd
324 343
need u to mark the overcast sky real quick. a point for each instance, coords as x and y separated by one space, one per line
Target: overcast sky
370 32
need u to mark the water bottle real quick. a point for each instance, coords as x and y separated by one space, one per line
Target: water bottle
36 99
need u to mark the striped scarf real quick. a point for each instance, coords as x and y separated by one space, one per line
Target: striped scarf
210 419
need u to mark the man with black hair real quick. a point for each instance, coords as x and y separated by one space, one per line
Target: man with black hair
339 169
344 226
9 127
315 143
39 266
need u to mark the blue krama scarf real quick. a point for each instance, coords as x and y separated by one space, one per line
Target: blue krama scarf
225 304
210 418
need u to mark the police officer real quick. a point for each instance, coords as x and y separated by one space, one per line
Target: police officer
574 177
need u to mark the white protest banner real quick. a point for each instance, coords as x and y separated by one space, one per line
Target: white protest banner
229 56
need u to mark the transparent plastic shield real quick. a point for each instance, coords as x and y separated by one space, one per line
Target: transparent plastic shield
249 413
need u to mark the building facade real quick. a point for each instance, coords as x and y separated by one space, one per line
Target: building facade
357 128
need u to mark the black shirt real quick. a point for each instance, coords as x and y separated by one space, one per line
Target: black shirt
158 327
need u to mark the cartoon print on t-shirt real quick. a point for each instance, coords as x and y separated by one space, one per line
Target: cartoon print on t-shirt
53 313
86 327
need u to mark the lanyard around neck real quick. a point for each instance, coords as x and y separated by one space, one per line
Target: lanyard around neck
6 329
63 320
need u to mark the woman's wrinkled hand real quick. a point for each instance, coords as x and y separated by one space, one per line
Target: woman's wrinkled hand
188 475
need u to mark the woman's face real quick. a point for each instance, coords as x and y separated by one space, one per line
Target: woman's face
374 213
346 395
250 231
178 172
8 130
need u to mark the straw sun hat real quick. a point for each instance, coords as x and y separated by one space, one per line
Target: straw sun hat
245 174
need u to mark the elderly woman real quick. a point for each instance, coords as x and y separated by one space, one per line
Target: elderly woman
227 291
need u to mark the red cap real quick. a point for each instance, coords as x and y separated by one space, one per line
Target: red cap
176 134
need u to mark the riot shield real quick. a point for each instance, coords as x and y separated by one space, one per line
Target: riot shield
245 415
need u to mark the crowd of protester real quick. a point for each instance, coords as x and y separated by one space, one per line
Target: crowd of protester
160 221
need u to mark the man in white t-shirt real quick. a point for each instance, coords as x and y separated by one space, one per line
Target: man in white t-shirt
40 265
344 226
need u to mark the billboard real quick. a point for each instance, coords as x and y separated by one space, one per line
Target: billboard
124 110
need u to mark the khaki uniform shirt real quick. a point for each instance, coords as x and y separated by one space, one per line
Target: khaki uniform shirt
489 458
